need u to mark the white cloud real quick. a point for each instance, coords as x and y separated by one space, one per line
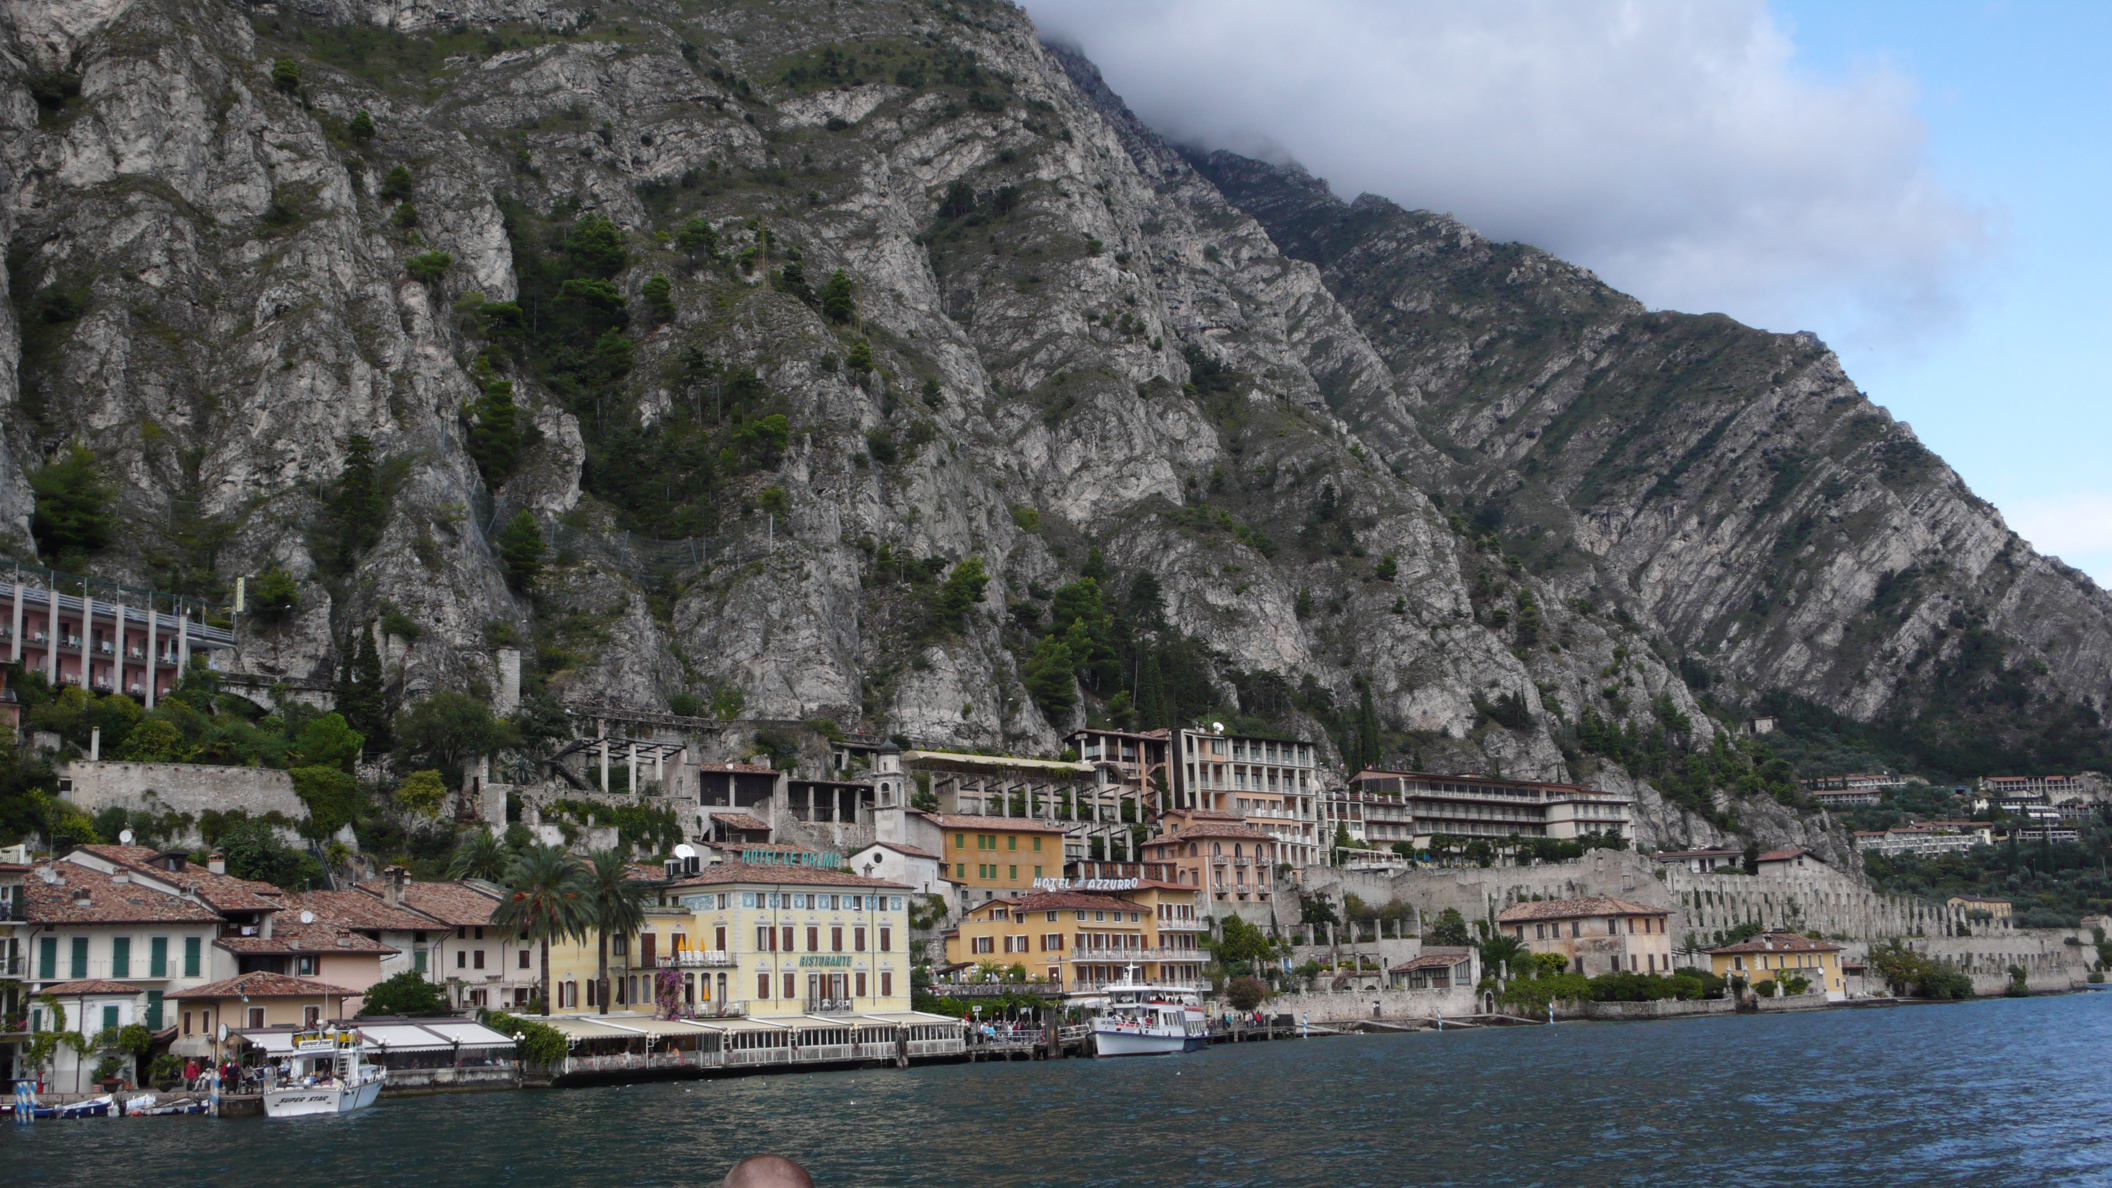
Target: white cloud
1674 148
2076 527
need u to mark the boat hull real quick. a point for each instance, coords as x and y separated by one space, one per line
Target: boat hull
1135 1043
320 1099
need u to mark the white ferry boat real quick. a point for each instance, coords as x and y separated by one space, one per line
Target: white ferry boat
326 1073
1141 1020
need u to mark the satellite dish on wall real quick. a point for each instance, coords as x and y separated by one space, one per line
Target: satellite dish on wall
685 850
47 874
124 837
307 917
1217 727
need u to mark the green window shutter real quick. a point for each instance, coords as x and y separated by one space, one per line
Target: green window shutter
158 958
154 1010
418 960
190 956
1037 845
120 956
109 1017
1012 842
48 959
960 841
1014 876
79 964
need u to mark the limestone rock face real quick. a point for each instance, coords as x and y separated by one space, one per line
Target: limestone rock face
1065 338
1732 488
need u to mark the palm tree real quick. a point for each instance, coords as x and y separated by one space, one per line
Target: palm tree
617 903
481 856
546 900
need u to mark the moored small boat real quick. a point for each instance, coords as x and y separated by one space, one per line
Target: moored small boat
1142 1020
326 1073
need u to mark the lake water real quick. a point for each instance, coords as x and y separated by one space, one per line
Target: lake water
1996 1092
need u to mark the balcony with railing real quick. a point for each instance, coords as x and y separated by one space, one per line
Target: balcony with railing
829 1006
698 959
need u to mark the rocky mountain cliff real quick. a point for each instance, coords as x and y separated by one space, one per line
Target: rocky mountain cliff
761 324
1731 488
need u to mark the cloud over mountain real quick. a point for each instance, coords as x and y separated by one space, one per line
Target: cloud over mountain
1677 149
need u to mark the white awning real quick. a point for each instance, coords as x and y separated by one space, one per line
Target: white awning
403 1037
470 1035
271 1043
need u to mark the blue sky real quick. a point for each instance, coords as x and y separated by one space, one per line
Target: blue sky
1923 185
2017 395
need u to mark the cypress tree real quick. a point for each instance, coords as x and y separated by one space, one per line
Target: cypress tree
1367 739
361 699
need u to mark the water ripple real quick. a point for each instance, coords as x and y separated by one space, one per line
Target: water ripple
1988 1093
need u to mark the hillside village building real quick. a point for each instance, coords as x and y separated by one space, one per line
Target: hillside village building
1599 934
1273 785
1080 941
1925 839
1771 956
104 644
756 941
1219 855
1487 808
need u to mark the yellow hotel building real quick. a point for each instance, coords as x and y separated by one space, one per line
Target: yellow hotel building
755 940
1081 940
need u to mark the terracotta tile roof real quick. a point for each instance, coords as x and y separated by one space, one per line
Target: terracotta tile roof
812 876
225 893
747 768
1778 942
1710 852
90 986
267 985
1050 901
1201 815
312 938
733 820
912 851
108 901
455 904
1783 855
999 824
1570 909
1429 961
354 909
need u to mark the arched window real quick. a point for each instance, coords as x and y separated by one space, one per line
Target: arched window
1191 849
1217 849
1238 851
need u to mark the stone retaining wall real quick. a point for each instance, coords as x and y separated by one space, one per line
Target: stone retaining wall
1356 1006
191 789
